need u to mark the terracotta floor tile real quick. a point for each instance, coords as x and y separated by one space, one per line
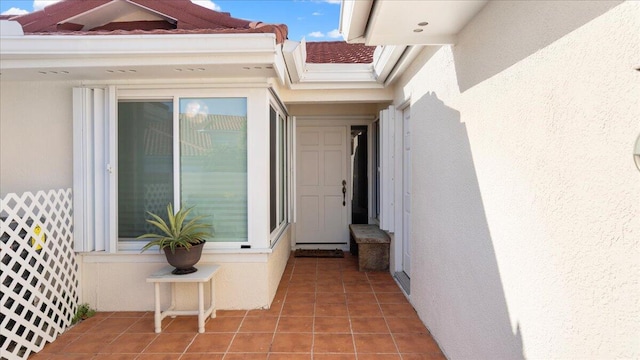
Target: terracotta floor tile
295 309
317 356
330 298
85 325
430 356
400 310
364 310
60 343
136 314
68 357
145 325
246 356
416 343
337 288
301 297
181 324
251 342
375 343
333 343
289 356
130 356
159 356
223 324
89 343
332 324
357 287
202 356
359 298
259 324
295 324
210 343
386 287
220 313
331 310
391 298
170 343
323 309
379 357
301 287
130 343
406 325
369 325
292 342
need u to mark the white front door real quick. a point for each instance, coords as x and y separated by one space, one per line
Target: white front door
321 186
406 192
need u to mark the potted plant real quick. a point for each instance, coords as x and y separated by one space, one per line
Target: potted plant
181 240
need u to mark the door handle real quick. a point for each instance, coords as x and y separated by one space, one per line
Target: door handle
344 192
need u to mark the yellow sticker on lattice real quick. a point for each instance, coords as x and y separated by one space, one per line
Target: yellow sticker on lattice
41 239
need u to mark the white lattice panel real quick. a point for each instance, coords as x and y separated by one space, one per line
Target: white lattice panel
39 277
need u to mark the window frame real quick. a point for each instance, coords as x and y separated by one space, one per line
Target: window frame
282 171
256 200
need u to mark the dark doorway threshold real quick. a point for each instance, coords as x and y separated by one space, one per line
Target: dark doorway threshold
404 281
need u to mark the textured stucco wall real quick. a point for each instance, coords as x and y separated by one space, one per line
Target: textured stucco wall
36 129
526 226
110 285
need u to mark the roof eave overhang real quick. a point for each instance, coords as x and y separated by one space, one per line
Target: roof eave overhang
309 76
99 51
354 16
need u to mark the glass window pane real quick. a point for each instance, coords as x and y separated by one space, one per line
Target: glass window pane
273 181
281 155
213 163
145 163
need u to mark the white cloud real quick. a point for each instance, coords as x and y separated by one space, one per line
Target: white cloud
336 2
316 13
316 34
40 4
15 11
334 34
208 4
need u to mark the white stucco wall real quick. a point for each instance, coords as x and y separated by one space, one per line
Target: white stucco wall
525 214
117 282
36 128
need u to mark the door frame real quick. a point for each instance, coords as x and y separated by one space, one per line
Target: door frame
318 121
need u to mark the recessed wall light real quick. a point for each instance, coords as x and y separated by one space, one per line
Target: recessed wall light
418 30
424 23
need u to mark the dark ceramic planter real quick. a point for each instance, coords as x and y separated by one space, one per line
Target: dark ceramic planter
183 259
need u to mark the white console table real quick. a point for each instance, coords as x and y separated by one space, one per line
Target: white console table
205 273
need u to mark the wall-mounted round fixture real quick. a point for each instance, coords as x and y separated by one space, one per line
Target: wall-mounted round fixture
424 23
418 30
636 152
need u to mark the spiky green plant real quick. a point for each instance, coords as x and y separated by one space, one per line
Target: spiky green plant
175 233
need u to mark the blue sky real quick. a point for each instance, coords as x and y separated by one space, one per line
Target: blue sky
315 20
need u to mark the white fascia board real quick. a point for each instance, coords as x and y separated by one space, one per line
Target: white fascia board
40 51
354 16
328 85
12 28
279 66
339 73
385 59
410 53
295 55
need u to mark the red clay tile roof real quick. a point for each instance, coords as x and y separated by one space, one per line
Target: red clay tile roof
339 52
191 18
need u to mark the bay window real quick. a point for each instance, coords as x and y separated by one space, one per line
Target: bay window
199 162
278 171
138 149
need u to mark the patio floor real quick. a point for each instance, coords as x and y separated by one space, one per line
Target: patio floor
324 309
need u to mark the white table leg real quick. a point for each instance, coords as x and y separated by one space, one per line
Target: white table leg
157 316
213 298
201 307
